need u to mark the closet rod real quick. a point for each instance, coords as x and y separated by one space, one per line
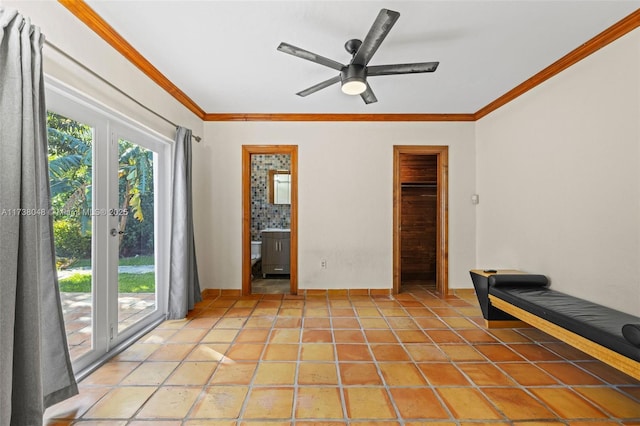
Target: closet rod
108 83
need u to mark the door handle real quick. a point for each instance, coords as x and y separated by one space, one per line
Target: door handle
115 232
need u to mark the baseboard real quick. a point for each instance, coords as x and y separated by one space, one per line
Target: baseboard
213 293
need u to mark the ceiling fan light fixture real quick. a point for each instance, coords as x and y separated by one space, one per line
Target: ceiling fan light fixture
354 87
353 79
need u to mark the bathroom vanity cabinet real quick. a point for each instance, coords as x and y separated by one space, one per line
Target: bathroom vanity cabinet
275 252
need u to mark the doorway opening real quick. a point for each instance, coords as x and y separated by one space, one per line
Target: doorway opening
269 219
420 219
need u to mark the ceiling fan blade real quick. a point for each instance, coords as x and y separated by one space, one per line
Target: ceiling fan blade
402 68
319 86
379 30
309 56
367 96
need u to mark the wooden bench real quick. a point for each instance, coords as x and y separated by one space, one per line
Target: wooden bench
587 326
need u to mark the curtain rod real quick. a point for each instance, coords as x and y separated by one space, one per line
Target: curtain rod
107 82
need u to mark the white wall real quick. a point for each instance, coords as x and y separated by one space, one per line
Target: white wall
558 173
345 178
68 33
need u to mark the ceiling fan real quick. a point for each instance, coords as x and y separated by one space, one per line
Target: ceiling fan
353 77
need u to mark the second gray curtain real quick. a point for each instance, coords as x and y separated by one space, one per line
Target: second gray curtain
35 369
184 286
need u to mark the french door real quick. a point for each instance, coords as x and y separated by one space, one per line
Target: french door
109 181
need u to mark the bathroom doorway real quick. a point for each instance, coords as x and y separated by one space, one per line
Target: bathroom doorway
269 219
420 223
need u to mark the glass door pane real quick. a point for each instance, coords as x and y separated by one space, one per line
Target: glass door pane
71 182
135 214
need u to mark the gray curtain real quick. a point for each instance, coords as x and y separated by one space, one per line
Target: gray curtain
35 369
184 286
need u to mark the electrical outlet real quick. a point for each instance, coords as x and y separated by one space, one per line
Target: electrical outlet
323 264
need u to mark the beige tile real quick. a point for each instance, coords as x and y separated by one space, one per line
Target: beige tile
265 321
208 352
275 373
285 336
281 352
318 403
257 335
120 403
368 403
233 373
110 373
317 373
150 373
269 403
192 373
245 352
188 335
219 402
230 323
220 336
170 402
317 352
172 352
373 323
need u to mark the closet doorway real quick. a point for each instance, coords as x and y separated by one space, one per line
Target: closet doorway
420 222
278 242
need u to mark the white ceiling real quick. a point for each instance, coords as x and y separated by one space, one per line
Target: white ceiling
223 55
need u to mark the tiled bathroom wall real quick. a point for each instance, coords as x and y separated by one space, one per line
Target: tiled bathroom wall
263 214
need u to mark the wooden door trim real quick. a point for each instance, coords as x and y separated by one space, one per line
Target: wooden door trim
442 232
247 151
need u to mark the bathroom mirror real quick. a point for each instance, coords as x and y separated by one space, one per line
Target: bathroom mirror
280 186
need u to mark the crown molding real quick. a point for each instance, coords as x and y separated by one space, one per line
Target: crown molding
338 117
611 34
86 14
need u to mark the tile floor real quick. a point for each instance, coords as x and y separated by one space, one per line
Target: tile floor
76 308
414 359
271 285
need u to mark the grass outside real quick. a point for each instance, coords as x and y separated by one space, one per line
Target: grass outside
127 283
124 261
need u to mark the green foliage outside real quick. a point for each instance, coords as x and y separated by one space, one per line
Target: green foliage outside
70 174
127 283
71 242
